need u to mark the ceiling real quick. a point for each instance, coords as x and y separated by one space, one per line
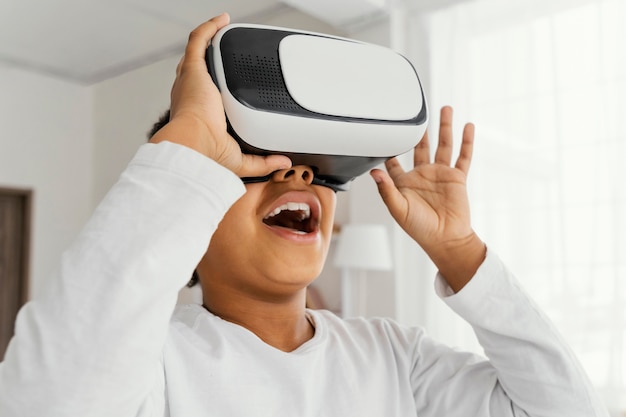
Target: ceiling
86 41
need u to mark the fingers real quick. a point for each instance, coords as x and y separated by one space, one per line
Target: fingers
176 80
391 196
260 166
421 153
200 37
394 168
444 148
198 41
180 65
443 155
467 148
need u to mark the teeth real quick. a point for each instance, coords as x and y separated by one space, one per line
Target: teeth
292 207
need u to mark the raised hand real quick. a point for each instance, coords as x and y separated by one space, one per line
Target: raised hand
430 203
197 117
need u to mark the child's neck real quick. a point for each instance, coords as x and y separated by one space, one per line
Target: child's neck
281 323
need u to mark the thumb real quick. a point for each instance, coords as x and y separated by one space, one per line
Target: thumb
392 197
260 166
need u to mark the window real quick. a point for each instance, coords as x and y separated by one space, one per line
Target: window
545 83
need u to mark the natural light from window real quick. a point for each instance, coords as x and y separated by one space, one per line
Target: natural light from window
546 86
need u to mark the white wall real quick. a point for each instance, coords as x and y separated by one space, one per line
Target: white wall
45 145
125 108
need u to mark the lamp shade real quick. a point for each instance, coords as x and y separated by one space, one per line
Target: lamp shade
363 246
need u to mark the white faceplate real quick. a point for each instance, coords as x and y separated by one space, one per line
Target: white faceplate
289 133
349 79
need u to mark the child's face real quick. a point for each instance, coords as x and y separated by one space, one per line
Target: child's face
275 237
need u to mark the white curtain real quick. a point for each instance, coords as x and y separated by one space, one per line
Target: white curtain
545 84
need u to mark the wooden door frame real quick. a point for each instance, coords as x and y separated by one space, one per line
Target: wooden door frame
27 197
22 286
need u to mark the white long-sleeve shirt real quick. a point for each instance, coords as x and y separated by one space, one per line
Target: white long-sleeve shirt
104 339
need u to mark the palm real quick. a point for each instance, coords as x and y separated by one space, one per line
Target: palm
430 201
434 205
197 118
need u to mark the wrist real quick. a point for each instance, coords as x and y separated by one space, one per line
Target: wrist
458 261
189 132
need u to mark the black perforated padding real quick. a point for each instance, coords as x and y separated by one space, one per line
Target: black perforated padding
263 74
252 70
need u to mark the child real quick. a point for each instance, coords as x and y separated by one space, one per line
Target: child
105 340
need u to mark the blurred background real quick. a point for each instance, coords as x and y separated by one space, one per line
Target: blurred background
82 81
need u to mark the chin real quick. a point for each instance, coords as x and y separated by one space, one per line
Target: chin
299 269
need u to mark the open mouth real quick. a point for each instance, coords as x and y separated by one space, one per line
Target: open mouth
296 217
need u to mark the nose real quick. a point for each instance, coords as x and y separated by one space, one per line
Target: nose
302 173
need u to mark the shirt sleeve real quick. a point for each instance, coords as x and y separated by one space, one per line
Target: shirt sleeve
529 370
89 345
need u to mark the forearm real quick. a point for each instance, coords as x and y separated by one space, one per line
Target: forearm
534 366
89 344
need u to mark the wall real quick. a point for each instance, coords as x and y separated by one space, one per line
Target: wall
46 145
125 108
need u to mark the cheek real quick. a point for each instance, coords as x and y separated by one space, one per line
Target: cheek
235 228
233 231
231 251
329 204
240 219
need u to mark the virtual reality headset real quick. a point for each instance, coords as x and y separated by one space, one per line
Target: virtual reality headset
335 104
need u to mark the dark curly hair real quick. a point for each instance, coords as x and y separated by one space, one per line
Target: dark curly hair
163 120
